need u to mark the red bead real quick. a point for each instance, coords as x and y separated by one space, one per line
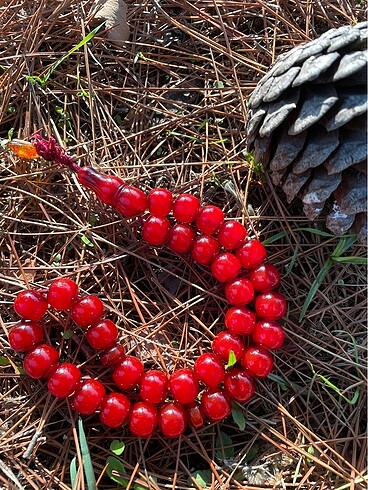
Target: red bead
143 419
251 254
257 361
156 231
104 186
216 404
184 386
268 334
30 305
186 208
130 202
25 336
225 342
239 292
153 386
205 249
40 361
209 369
128 373
181 238
88 396
172 420
87 310
114 409
225 267
102 335
64 380
265 278
270 306
239 385
195 415
62 293
160 202
209 219
231 234
113 356
240 321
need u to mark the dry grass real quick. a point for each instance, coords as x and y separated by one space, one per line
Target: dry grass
170 111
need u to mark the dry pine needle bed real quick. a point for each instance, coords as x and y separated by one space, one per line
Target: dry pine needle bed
168 108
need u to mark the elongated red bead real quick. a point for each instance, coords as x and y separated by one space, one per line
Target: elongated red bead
104 186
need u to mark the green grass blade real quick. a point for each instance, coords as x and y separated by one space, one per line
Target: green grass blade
337 390
314 287
350 260
73 472
87 461
43 80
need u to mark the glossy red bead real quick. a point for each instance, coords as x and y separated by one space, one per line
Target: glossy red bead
88 396
143 419
239 385
265 278
181 238
130 202
64 380
156 231
25 335
239 292
225 267
62 293
195 415
216 404
87 310
186 208
251 254
270 306
257 361
114 409
172 419
224 342
104 186
231 234
30 305
160 202
240 321
268 334
183 385
209 219
209 369
102 335
205 249
128 373
41 361
113 356
153 386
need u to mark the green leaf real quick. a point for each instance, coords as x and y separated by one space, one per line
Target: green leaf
117 447
202 478
279 380
4 361
238 416
218 84
314 287
224 447
86 457
86 241
232 360
115 469
73 472
68 334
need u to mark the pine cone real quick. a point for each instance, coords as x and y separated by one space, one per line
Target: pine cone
307 123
